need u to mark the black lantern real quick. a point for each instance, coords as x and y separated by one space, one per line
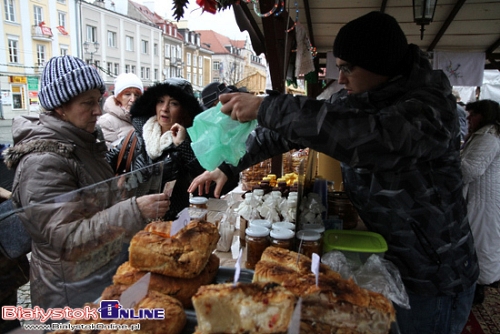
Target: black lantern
423 13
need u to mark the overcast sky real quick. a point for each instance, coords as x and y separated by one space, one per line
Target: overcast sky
222 22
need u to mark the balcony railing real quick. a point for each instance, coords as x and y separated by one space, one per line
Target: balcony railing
43 33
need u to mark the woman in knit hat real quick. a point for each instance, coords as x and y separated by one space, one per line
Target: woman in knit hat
76 222
395 129
160 118
115 123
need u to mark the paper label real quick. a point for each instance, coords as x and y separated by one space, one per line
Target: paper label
136 292
169 187
182 220
315 266
294 325
238 268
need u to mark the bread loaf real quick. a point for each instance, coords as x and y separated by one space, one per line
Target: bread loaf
335 305
243 308
183 255
175 317
180 288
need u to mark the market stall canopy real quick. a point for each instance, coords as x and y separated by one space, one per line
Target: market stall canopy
457 26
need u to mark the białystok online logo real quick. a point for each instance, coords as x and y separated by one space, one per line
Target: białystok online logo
109 309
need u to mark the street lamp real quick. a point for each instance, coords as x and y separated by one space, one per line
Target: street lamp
86 46
423 13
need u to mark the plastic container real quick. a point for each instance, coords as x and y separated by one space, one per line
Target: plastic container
257 240
198 208
308 242
281 225
356 245
282 238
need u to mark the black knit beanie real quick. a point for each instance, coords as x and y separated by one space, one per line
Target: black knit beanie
374 42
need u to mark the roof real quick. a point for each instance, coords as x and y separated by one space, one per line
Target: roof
217 43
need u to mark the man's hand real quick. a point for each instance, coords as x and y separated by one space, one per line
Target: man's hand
202 182
243 107
153 206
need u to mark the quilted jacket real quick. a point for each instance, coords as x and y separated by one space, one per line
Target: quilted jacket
399 149
115 122
68 210
481 172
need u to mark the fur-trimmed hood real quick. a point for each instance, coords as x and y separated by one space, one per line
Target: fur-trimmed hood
180 89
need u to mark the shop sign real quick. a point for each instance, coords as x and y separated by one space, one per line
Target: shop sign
33 83
18 80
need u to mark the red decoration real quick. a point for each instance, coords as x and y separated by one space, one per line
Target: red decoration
62 30
208 5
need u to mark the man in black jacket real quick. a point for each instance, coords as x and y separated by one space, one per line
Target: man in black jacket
395 129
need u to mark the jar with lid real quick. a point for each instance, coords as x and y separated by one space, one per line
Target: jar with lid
198 208
309 242
257 240
282 238
282 225
261 222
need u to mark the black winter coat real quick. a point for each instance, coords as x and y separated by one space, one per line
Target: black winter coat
399 148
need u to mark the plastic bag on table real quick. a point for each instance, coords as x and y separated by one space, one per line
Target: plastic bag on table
216 138
376 274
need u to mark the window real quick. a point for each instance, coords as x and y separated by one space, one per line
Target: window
63 50
195 81
174 51
201 80
129 43
91 33
155 73
167 50
112 39
10 14
148 72
144 46
40 54
38 13
188 56
109 67
61 1
155 49
13 50
132 69
143 70
117 68
189 77
18 97
61 18
200 62
195 61
216 66
97 64
127 68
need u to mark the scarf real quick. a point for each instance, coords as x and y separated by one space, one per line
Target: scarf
154 140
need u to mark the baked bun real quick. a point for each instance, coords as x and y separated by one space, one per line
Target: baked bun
183 255
180 288
175 317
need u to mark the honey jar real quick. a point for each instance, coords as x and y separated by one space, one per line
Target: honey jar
257 240
309 242
282 238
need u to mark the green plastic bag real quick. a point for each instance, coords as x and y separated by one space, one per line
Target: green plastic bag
216 138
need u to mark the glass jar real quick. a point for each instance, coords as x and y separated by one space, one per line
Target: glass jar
198 202
281 225
320 228
309 242
282 238
261 222
257 240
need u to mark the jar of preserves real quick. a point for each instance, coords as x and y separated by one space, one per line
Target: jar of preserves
198 202
261 222
308 242
281 225
257 240
282 238
198 208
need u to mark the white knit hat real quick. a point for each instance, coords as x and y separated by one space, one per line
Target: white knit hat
127 80
65 77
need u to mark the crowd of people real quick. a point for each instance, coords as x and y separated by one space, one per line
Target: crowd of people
413 173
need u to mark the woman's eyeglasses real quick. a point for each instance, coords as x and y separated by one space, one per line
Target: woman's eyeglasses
346 68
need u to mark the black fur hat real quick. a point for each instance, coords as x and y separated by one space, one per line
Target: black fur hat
177 88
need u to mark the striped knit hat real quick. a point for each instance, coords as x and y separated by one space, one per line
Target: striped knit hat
65 77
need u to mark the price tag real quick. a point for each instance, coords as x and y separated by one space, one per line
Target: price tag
294 325
182 220
238 268
315 266
136 292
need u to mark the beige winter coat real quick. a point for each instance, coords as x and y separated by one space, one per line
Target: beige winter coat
115 122
68 223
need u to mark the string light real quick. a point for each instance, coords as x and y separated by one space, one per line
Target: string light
296 17
269 13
